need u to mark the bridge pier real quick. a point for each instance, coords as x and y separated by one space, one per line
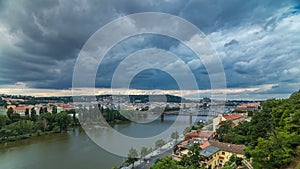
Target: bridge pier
162 117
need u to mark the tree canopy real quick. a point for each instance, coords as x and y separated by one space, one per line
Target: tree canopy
272 135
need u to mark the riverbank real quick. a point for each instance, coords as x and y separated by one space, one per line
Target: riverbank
38 133
165 150
151 158
24 136
75 149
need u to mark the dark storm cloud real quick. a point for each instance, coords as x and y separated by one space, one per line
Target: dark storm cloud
212 15
232 42
257 40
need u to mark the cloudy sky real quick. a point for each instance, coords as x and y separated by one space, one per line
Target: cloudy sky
258 43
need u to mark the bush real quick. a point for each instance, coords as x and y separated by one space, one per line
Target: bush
39 132
24 137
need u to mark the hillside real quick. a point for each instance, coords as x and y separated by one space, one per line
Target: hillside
273 135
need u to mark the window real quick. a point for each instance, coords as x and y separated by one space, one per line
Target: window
223 153
220 161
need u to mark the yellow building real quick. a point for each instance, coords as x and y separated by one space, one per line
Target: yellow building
235 118
226 150
216 153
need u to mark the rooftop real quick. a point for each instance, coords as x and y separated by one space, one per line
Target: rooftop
233 148
205 144
233 116
209 151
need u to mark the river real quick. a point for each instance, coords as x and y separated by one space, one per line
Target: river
74 149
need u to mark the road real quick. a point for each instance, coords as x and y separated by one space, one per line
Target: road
167 151
152 160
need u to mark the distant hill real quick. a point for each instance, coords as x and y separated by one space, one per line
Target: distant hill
133 98
151 98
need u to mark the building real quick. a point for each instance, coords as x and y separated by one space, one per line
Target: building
249 107
226 150
235 118
11 106
202 135
211 157
21 110
216 153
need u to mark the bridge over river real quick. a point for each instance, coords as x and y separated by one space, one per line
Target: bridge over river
192 113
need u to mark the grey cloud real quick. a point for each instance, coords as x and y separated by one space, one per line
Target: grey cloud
256 40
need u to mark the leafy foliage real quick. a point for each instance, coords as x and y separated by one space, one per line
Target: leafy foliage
166 163
144 151
17 127
132 156
175 135
273 134
193 158
159 143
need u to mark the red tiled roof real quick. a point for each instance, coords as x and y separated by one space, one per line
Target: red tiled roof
232 124
191 135
183 143
67 107
233 148
202 134
205 144
21 108
205 134
233 116
244 106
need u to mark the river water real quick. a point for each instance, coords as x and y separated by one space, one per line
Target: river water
75 150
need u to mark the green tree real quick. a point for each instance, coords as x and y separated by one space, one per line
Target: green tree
54 110
225 127
186 130
144 152
46 121
166 163
193 157
175 136
20 127
27 113
159 143
292 123
150 150
227 167
9 112
132 156
234 159
263 153
41 110
273 133
45 110
63 120
3 120
15 117
33 114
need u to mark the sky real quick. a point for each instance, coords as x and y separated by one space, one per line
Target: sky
258 44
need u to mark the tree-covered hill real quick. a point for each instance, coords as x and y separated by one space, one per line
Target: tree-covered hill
273 135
